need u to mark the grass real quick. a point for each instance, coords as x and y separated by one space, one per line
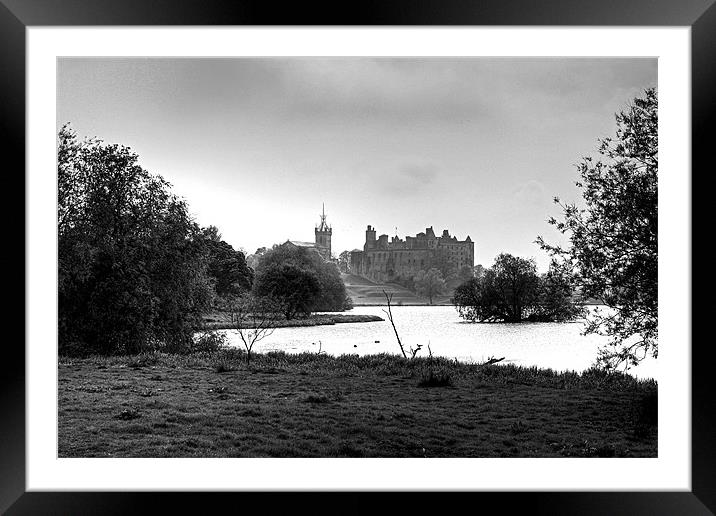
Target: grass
431 378
309 405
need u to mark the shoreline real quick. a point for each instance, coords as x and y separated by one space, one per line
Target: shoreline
313 320
399 304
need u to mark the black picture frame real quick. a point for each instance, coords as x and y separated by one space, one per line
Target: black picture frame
699 15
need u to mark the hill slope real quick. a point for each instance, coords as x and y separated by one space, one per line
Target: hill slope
365 292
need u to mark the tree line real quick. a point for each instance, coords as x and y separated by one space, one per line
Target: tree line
136 272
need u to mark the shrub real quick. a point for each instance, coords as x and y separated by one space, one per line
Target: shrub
435 379
223 366
128 414
143 360
209 341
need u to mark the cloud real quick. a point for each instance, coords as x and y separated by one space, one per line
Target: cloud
382 88
421 174
532 192
411 178
413 90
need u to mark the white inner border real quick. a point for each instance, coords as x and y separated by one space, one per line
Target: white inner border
670 471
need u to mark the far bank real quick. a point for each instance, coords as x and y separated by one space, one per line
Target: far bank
222 321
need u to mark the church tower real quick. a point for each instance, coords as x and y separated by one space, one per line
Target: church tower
323 236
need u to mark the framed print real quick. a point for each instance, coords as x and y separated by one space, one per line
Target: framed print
435 332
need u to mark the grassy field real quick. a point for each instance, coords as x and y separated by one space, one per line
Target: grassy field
308 405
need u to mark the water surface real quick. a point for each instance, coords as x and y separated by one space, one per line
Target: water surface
558 346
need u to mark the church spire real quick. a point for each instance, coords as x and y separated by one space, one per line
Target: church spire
323 236
323 225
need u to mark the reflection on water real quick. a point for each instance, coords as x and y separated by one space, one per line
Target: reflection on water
558 346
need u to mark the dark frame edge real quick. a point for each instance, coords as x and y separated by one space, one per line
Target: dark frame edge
12 381
365 12
702 498
703 120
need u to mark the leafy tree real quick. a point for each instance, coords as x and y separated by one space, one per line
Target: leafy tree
614 236
556 296
226 267
253 260
514 281
130 258
468 300
295 289
344 261
429 283
441 261
511 291
332 294
465 274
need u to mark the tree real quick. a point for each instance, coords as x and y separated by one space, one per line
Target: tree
332 294
613 237
131 268
429 283
253 319
344 261
511 291
514 282
465 274
470 300
253 260
294 288
226 267
556 296
442 262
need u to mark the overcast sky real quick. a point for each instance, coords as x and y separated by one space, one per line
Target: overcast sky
477 146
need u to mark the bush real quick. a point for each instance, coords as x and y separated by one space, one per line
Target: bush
143 360
209 341
433 378
223 366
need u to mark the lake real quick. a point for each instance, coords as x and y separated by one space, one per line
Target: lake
558 346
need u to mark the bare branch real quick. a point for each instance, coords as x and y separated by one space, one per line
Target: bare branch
389 313
492 360
253 320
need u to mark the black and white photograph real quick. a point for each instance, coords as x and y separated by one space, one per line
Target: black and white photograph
357 257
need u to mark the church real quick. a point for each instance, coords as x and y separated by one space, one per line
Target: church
322 242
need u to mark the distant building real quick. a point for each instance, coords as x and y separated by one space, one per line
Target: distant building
323 234
397 259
